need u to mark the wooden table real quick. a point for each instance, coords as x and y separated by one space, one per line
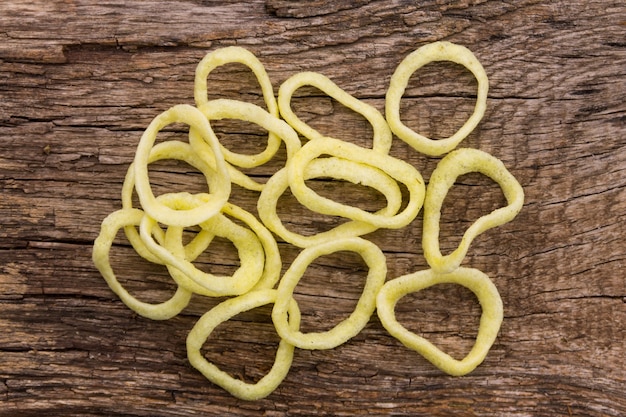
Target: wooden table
80 81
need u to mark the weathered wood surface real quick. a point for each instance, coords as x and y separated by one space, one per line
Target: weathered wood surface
79 81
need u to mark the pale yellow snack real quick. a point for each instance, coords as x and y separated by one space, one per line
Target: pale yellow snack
232 109
225 311
171 149
347 328
436 51
231 55
100 255
342 169
249 248
395 168
382 134
490 320
220 191
453 165
271 263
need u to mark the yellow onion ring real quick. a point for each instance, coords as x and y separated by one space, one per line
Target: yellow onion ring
272 262
219 194
473 279
382 133
436 51
250 250
453 165
100 255
395 168
225 311
230 55
347 328
171 149
343 169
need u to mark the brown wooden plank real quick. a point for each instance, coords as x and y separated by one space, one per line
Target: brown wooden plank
79 81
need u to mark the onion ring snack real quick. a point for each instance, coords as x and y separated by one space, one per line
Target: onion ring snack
230 55
395 168
271 263
220 192
249 247
171 149
473 279
436 51
382 133
342 169
221 313
453 165
100 255
347 328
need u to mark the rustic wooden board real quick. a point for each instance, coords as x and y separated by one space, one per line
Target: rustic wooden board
79 81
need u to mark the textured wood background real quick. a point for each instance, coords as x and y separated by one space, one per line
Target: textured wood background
79 81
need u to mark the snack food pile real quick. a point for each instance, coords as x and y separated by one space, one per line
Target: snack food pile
155 229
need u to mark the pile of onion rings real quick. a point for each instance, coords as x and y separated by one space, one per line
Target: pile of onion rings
155 229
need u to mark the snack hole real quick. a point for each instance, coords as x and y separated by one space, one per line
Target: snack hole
245 345
144 280
220 258
324 114
299 219
473 195
447 315
264 171
438 99
172 175
236 81
342 275
345 192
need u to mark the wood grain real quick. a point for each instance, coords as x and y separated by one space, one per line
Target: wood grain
79 81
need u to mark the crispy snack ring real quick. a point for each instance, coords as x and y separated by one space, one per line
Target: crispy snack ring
473 279
251 254
395 168
220 191
349 327
171 149
436 51
233 109
223 312
453 165
382 133
100 255
272 262
229 55
342 169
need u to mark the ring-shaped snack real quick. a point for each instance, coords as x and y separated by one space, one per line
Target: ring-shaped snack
474 280
251 254
225 311
171 149
453 165
394 167
272 261
382 134
232 109
220 191
353 324
230 55
100 255
436 51
338 168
